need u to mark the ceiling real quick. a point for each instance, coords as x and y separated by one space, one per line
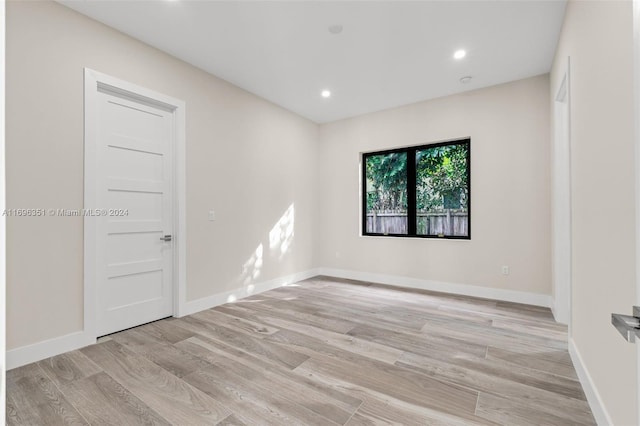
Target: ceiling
389 53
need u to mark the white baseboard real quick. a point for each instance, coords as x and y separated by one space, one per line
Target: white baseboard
442 286
47 348
561 316
593 397
70 342
560 311
229 296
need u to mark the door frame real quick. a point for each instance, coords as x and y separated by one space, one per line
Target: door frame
3 220
561 185
636 142
93 81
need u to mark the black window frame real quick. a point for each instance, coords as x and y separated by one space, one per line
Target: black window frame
411 190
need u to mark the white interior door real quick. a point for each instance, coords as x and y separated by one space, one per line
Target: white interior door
134 257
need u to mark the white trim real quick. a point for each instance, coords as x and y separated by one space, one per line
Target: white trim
249 290
45 349
180 214
3 252
561 199
636 143
93 80
598 408
553 309
90 129
442 286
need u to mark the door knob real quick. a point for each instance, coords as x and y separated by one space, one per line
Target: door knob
628 325
166 238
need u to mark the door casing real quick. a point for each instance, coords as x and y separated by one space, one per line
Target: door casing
94 80
636 122
561 202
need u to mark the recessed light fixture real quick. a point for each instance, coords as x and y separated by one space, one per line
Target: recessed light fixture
459 54
465 80
326 94
335 29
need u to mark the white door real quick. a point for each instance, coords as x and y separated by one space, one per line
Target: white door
134 254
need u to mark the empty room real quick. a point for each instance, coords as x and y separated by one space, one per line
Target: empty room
321 212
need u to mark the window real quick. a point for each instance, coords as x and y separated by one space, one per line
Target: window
421 191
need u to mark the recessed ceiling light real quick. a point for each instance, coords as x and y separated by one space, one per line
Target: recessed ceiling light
326 94
335 29
459 54
465 80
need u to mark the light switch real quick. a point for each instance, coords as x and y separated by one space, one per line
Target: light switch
212 215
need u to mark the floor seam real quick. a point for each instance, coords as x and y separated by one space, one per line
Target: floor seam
354 413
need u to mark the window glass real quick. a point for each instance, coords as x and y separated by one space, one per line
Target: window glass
442 190
386 193
421 191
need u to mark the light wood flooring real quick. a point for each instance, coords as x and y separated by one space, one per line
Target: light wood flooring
323 352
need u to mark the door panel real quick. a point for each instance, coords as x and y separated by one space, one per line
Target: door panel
141 204
133 288
134 186
124 246
132 164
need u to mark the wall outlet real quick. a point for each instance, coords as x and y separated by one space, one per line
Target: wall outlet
212 215
505 270
337 255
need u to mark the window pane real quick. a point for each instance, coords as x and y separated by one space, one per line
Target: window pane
386 197
442 190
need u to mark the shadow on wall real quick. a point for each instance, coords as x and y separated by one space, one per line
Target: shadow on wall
280 242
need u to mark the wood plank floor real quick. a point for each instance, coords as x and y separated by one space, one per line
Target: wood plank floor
323 352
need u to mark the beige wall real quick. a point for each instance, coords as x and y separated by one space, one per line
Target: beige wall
246 158
509 130
598 38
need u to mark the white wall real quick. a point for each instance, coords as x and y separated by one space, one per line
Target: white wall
598 38
248 159
510 196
